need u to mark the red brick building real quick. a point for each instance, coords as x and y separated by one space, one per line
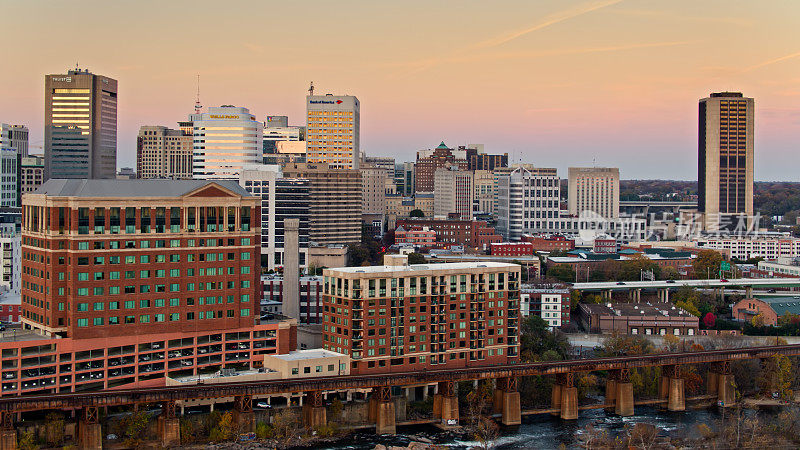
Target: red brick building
473 234
439 316
417 236
748 308
549 243
511 249
428 161
126 282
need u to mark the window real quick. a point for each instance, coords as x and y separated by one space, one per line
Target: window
160 317
174 302
244 312
97 306
83 291
83 322
294 371
97 321
158 303
83 306
113 305
145 318
130 304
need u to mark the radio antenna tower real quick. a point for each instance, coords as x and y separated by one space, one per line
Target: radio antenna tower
197 105
311 89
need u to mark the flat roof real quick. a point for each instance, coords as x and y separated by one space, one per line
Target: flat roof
637 309
425 267
313 353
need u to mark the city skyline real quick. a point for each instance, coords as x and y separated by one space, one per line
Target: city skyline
527 79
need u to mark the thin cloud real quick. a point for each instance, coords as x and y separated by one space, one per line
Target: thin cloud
772 61
551 19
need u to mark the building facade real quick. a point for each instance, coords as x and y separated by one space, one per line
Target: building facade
725 162
473 234
453 193
422 237
511 249
639 318
551 303
430 160
9 178
528 201
278 131
162 152
14 136
418 317
226 139
281 199
188 250
31 173
335 202
333 127
744 248
373 190
80 125
310 289
594 189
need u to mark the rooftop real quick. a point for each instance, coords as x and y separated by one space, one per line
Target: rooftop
425 267
313 353
637 309
131 188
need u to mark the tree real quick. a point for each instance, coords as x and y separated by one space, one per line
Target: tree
777 375
562 272
483 429
757 320
223 430
135 425
416 258
54 428
689 307
416 213
706 265
537 340
709 320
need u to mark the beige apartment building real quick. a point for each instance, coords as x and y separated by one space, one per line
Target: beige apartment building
335 202
594 189
725 159
373 189
162 152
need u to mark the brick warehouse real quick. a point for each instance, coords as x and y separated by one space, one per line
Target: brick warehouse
399 317
118 271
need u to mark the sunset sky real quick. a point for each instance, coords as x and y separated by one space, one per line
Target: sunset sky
553 83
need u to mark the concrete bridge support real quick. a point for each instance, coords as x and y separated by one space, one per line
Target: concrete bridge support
8 434
635 295
314 413
565 396
663 295
169 426
383 410
672 388
721 382
445 403
748 292
506 401
243 413
607 294
623 398
90 433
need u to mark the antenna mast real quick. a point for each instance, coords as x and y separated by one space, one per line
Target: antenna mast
311 89
197 105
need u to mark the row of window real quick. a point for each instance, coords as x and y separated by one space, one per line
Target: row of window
173 317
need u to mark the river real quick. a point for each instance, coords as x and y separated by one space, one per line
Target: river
543 431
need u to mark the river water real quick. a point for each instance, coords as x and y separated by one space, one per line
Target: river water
543 431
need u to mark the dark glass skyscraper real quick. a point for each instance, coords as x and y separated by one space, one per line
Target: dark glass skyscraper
80 125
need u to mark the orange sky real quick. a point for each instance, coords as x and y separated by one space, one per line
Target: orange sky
554 83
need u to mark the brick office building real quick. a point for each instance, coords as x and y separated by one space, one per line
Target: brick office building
549 243
475 234
126 282
417 317
430 160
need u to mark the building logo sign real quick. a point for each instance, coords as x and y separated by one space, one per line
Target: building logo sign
326 102
223 116
64 79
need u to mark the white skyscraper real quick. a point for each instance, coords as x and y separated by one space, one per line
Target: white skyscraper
226 139
332 130
527 202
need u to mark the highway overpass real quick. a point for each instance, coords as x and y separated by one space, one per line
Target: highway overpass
665 286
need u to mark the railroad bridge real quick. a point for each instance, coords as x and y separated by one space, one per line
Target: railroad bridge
506 401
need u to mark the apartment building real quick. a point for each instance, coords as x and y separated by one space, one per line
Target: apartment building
453 193
162 152
401 317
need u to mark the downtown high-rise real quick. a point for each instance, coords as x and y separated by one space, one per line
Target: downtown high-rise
226 139
725 161
80 125
332 130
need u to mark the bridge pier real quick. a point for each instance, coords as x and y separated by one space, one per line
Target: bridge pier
90 433
723 383
506 401
748 292
383 410
672 388
314 413
663 295
607 294
8 434
611 392
445 403
169 426
623 393
565 396
635 295
243 413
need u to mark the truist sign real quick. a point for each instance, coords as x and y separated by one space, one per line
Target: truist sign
63 79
